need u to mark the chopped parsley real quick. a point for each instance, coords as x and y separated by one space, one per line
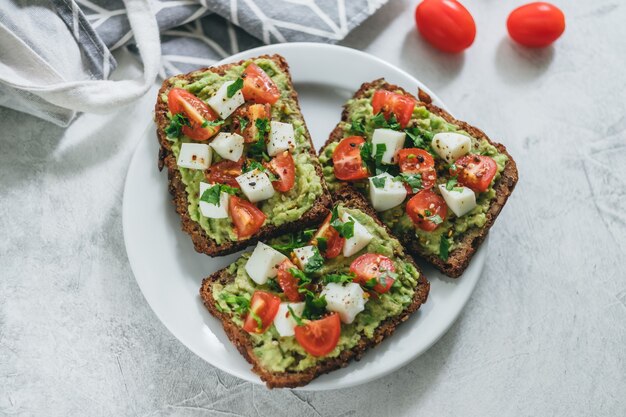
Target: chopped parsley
259 322
315 262
232 89
212 123
176 124
444 248
262 126
294 240
240 304
379 121
345 229
314 306
295 317
412 180
379 182
436 219
358 126
252 165
421 138
243 123
212 195
338 278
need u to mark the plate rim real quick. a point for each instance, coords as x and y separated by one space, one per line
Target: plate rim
277 49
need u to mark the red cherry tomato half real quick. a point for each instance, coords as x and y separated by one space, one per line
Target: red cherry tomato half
536 24
225 172
393 103
263 309
258 86
418 161
197 111
423 206
347 161
283 166
288 282
319 337
476 171
246 217
334 242
446 24
373 266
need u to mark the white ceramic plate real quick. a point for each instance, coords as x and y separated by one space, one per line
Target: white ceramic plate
169 271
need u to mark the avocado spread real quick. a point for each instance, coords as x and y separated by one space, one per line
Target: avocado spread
452 228
280 354
282 207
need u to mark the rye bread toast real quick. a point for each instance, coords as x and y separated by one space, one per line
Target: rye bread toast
459 258
202 242
241 339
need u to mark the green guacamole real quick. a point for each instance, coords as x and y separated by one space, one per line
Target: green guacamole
282 207
396 218
281 354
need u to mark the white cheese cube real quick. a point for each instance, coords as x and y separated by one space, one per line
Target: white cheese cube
228 145
451 146
359 240
256 185
303 255
263 263
283 321
214 211
393 141
460 202
391 194
282 138
224 105
194 156
346 300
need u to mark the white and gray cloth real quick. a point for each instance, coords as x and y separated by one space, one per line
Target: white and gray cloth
55 55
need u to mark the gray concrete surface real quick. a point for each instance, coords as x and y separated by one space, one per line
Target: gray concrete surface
544 333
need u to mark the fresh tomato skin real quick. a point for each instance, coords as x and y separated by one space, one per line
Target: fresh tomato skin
476 171
393 103
197 111
446 24
265 306
418 161
288 282
319 337
258 86
334 242
373 265
422 201
225 172
284 167
347 161
246 217
536 25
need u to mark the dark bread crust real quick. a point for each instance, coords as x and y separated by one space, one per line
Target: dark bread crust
201 241
241 339
458 259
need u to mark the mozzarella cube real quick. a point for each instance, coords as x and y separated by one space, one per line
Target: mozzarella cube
283 321
228 146
393 141
282 138
460 201
194 156
303 255
346 300
263 263
214 211
359 240
391 194
256 185
224 105
451 146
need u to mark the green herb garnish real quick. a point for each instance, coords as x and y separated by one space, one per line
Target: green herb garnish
176 124
315 262
412 180
444 247
379 182
212 195
238 303
297 319
338 278
232 89
212 123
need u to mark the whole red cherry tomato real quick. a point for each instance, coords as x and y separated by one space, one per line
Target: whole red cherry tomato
446 24
536 24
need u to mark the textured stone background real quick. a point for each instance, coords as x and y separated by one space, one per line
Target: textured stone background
544 333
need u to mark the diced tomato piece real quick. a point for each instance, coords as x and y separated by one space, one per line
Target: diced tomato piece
393 103
258 86
423 208
285 168
246 217
197 112
418 161
333 241
374 266
319 337
288 282
263 309
475 171
225 172
347 161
